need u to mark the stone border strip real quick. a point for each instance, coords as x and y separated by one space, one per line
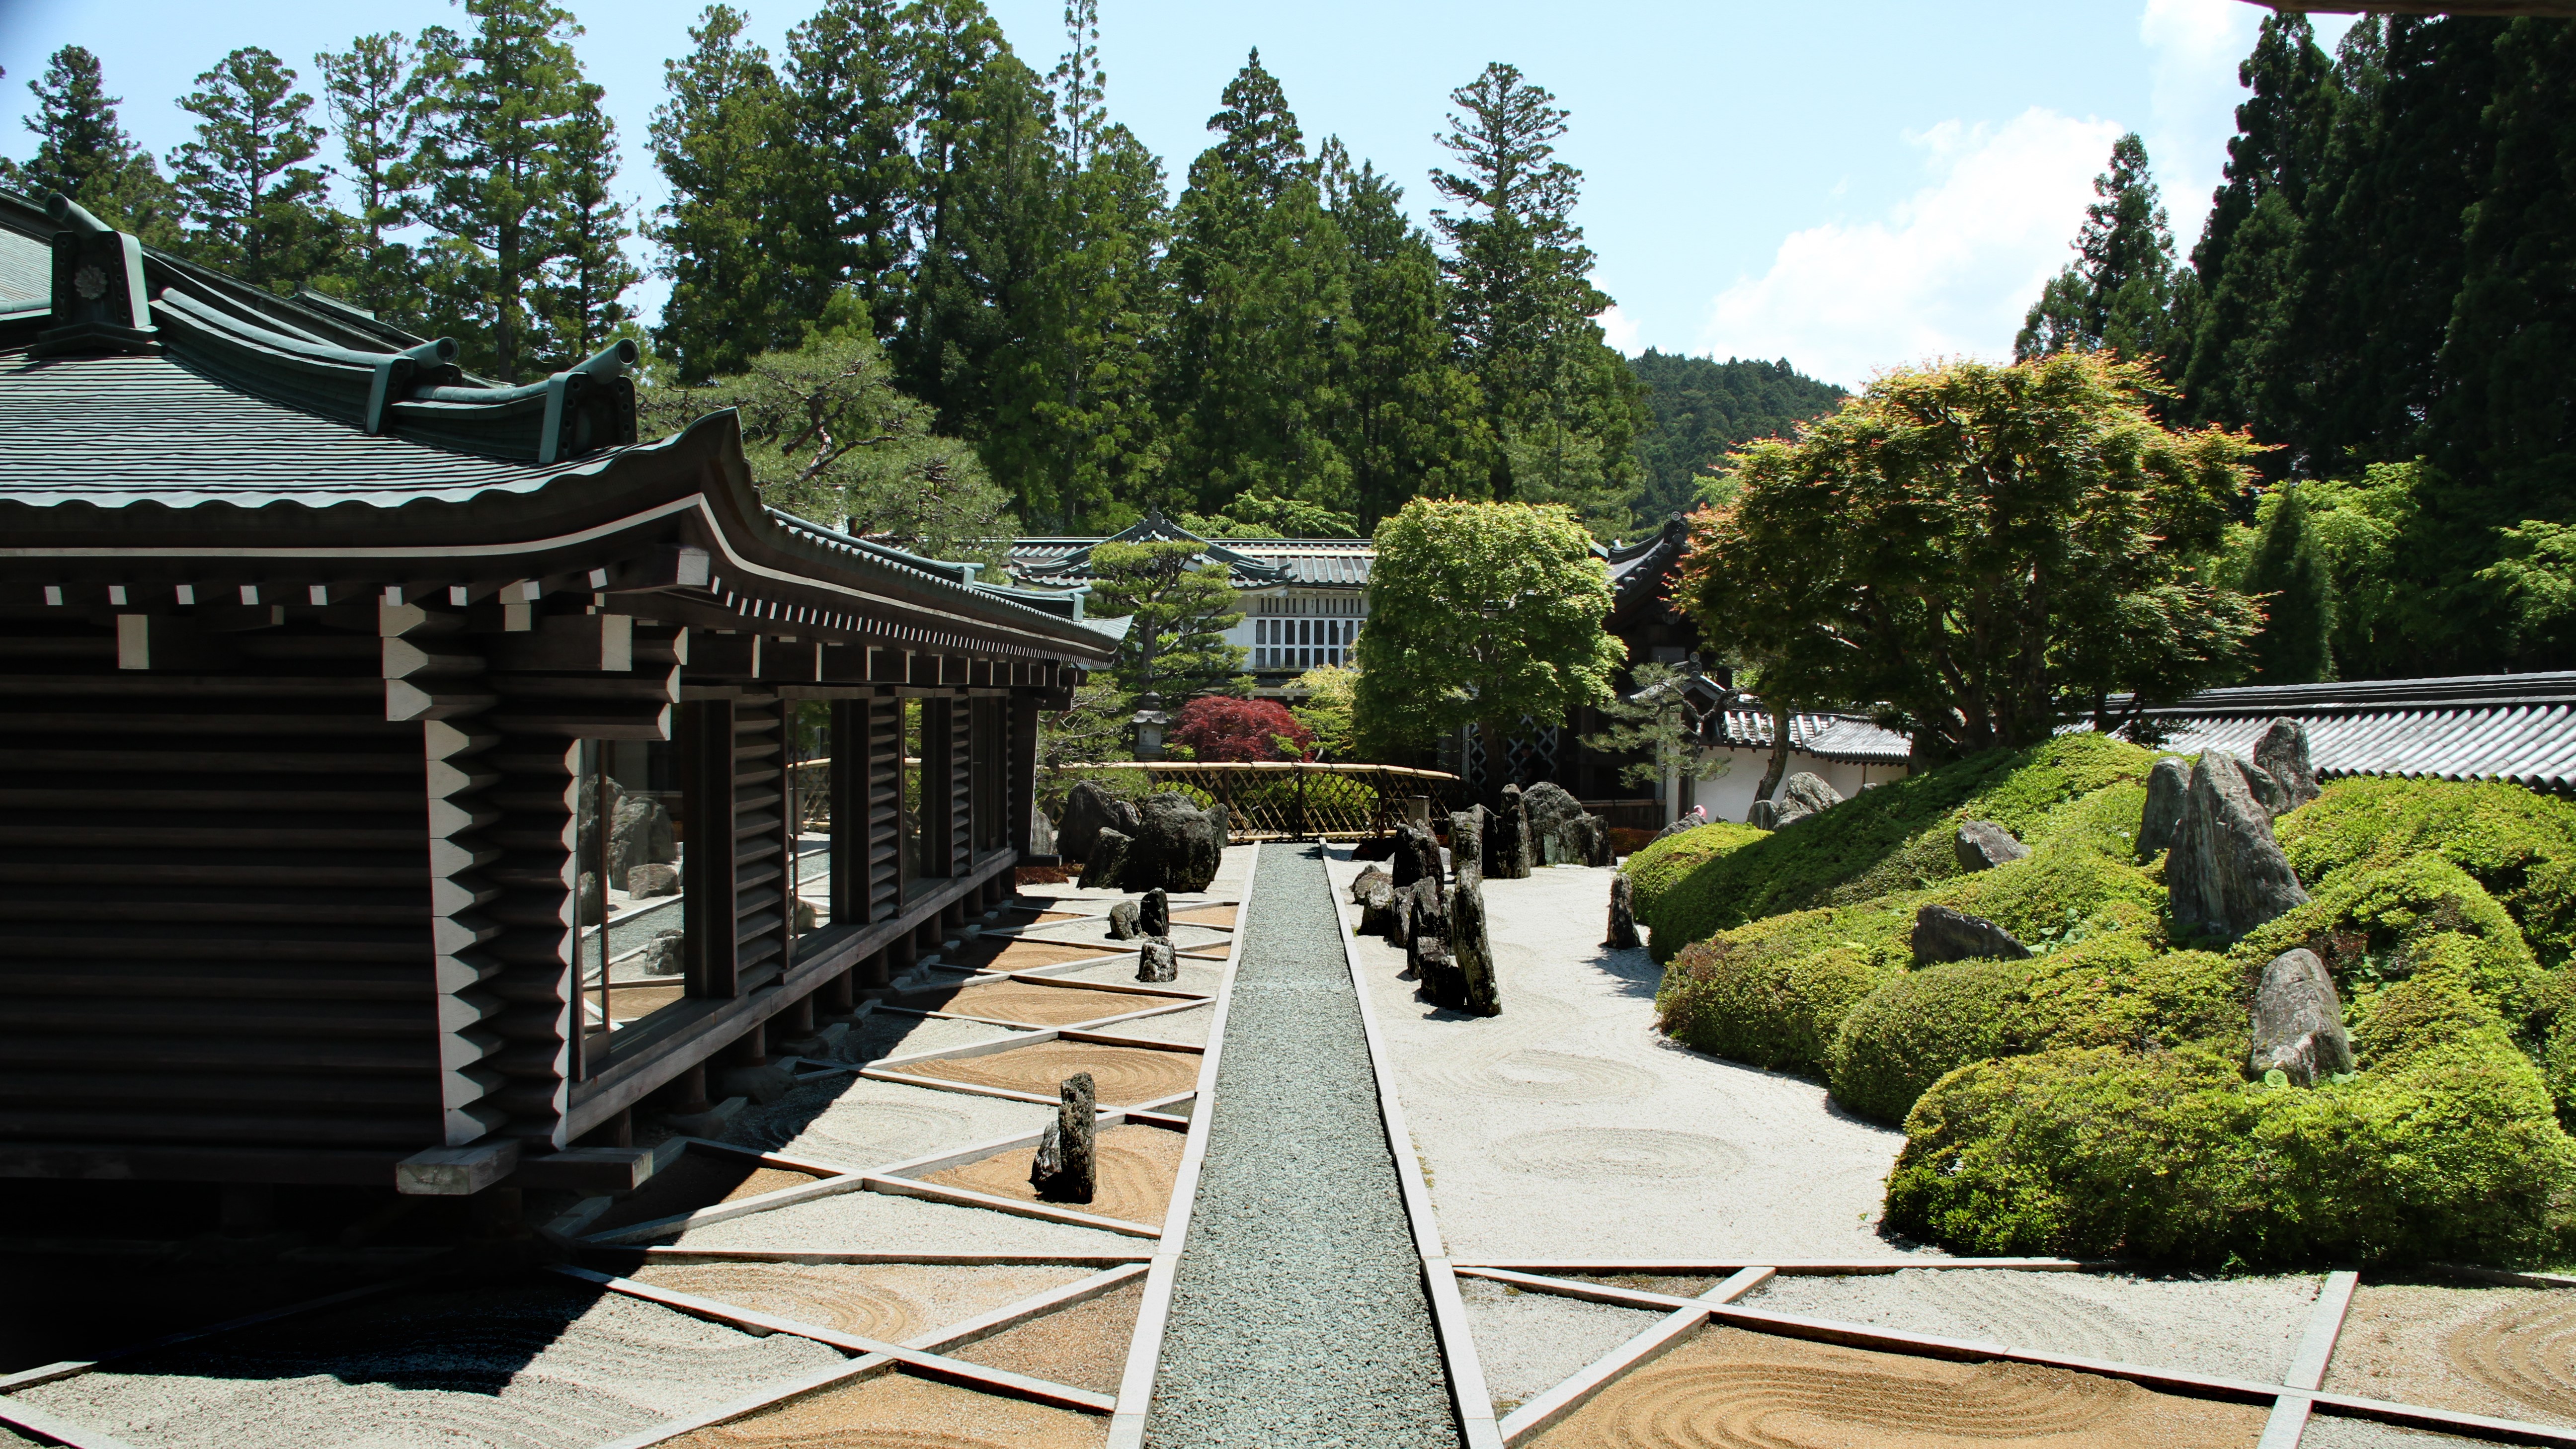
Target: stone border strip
1657 1340
2308 1368
952 1370
61 1431
1702 1267
1469 1396
665 1254
1145 1349
846 1371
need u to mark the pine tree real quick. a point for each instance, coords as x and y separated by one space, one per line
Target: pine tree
1562 406
504 135
373 91
83 151
2296 645
722 141
1179 609
2118 292
260 213
851 170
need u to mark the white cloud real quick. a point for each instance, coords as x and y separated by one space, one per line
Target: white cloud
2193 47
1619 330
1948 271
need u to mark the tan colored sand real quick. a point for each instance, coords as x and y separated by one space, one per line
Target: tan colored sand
631 1003
1041 1005
1084 1345
1122 1076
1186 1028
700 1179
898 1411
1030 955
1207 916
1137 1166
896 1302
1202 977
1729 1389
531 1366
2509 1352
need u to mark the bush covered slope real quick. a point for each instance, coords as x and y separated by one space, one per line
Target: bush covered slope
2094 1099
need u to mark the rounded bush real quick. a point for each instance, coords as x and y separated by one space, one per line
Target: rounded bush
1655 870
2171 1156
2519 845
2375 923
1917 1029
1772 994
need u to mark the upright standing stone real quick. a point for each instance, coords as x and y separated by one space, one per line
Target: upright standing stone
1157 961
1472 949
2265 788
640 834
1556 819
1122 922
1381 910
2167 783
1067 1167
1107 862
2298 1020
1089 810
1467 838
1983 845
1623 915
1177 846
2226 874
592 905
1507 839
1417 855
2283 754
1763 815
1804 795
1154 913
1426 925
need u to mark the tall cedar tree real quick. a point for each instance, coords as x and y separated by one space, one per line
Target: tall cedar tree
83 151
1256 352
1562 405
1178 609
1988 551
2118 292
259 212
1701 410
1074 427
1481 614
2288 572
373 91
510 123
850 113
578 304
725 239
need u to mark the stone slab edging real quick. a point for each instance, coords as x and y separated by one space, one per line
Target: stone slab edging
2289 1418
662 1253
1657 1340
1473 1401
60 1430
1145 1348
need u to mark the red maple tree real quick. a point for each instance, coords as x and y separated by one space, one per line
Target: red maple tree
1220 729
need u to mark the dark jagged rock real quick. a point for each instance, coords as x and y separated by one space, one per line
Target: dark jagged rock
1507 838
2298 1020
2226 874
1157 961
2282 753
662 954
1399 922
1467 839
2167 783
590 902
1122 922
640 834
1763 815
1942 934
2267 790
1360 883
1598 851
1380 909
1803 796
1983 845
1067 1167
1177 845
1090 809
1472 949
1154 913
1562 832
1692 821
1440 981
1623 916
1417 855
1426 925
1106 864
647 881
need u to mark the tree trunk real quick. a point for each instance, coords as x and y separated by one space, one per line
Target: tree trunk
1779 765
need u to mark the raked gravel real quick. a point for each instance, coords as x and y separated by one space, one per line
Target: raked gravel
879 1222
1298 1315
855 1122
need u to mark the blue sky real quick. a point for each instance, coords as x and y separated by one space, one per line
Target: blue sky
1850 186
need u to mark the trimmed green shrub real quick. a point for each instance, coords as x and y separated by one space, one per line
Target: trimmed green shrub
1890 839
1772 994
1654 871
1917 1029
2551 1042
2172 1156
2519 845
2375 923
2059 895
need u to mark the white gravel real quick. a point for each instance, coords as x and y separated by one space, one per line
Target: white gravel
878 1222
2245 1328
1528 1343
851 1121
532 1367
1569 1127
1189 1028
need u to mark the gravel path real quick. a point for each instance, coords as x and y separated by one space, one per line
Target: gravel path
1298 1316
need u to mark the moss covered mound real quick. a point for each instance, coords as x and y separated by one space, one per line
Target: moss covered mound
1772 994
1918 1028
1889 839
2375 923
2444 1146
2520 846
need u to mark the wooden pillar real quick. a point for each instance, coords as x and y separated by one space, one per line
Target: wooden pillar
798 1020
895 959
689 1092
840 994
707 868
1022 788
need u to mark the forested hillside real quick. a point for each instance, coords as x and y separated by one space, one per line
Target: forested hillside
1699 409
2385 292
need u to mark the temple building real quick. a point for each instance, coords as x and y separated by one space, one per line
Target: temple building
403 776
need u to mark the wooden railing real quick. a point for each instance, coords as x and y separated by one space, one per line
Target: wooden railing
1287 800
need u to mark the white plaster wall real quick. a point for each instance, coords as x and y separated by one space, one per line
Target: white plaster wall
1730 795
